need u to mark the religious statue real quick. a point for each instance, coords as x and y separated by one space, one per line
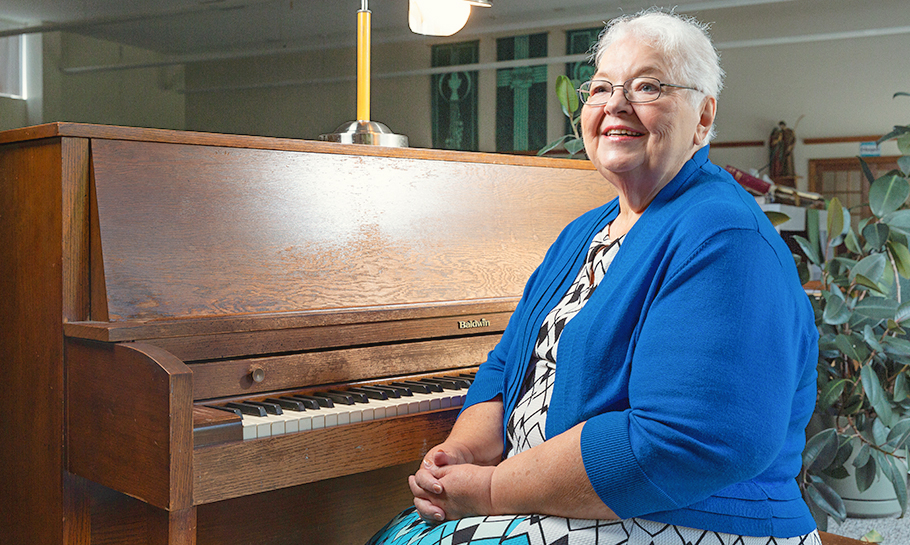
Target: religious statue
781 144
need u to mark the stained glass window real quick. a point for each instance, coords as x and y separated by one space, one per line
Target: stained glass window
454 103
521 95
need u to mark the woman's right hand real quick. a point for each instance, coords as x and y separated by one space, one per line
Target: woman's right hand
425 484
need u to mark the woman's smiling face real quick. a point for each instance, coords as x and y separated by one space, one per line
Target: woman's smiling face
642 145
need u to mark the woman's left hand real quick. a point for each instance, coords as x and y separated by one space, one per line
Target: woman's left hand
465 491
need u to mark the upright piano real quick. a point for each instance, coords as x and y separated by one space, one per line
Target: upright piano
162 292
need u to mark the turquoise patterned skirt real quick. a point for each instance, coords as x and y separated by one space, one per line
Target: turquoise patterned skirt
408 529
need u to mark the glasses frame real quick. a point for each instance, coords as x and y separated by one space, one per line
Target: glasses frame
584 95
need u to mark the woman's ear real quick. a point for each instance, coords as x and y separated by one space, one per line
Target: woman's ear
705 120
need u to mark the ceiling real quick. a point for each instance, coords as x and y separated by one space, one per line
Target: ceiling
181 27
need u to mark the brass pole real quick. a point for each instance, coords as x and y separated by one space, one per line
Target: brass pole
363 62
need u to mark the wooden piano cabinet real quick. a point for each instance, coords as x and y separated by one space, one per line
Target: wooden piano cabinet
146 272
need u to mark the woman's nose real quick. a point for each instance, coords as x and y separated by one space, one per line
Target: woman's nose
617 102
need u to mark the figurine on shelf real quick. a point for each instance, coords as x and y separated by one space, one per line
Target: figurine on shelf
781 144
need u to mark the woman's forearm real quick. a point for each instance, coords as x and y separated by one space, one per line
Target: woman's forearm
479 431
548 479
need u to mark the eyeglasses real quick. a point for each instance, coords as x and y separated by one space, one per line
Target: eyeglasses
636 90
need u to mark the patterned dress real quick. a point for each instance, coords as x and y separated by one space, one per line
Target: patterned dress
526 429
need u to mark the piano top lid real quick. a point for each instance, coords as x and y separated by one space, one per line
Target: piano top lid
142 134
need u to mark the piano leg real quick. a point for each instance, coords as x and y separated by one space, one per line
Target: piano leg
77 525
172 527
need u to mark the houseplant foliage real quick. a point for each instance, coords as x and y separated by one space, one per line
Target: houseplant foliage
568 99
864 349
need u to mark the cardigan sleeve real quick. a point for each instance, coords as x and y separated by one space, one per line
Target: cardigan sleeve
720 353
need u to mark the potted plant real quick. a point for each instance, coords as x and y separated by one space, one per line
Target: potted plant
861 425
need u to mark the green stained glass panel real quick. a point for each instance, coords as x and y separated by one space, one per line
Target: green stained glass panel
454 97
521 95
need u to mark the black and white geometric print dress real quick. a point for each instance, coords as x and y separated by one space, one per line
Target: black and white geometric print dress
526 428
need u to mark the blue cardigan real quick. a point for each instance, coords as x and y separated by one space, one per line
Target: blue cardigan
692 365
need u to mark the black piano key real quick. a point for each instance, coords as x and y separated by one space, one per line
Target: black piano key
271 408
338 397
389 391
461 381
442 383
371 393
323 401
468 376
357 396
287 404
402 389
228 409
307 401
414 386
247 408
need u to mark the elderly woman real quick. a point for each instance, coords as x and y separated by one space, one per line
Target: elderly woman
655 380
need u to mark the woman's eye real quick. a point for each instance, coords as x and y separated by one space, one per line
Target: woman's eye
647 88
598 88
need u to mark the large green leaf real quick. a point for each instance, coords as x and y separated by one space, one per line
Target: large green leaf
826 498
877 308
851 242
811 250
876 395
871 267
862 457
901 387
835 219
820 450
836 310
903 162
876 235
897 477
566 94
903 143
776 218
887 194
830 393
865 474
899 433
575 145
896 345
871 339
899 221
901 256
867 172
866 282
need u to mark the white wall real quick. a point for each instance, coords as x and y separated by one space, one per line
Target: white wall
146 97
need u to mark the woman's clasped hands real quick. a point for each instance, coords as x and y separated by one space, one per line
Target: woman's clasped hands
450 486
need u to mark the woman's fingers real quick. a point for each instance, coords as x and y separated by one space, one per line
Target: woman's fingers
423 502
427 480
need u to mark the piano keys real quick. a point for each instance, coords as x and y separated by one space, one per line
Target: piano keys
151 275
300 412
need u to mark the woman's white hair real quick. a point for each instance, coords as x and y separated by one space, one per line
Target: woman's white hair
683 41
